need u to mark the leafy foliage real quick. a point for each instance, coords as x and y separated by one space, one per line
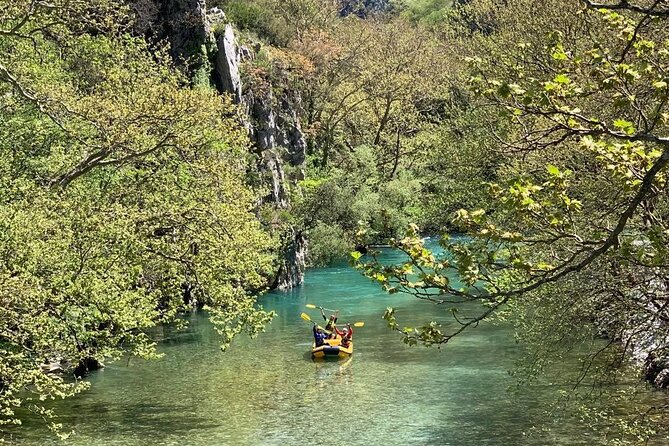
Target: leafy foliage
433 13
123 201
327 244
344 197
538 134
574 231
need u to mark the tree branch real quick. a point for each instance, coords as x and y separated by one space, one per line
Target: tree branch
624 5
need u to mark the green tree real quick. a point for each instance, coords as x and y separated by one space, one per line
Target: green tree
433 13
573 239
123 201
341 198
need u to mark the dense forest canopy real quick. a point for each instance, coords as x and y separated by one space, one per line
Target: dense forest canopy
132 190
572 237
123 199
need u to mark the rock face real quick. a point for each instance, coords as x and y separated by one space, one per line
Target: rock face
291 269
274 128
290 135
656 370
184 23
201 41
226 68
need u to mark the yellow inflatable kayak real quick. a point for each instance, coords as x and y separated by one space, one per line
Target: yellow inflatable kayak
332 348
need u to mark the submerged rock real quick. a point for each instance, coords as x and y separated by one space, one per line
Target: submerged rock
656 370
662 379
54 366
86 366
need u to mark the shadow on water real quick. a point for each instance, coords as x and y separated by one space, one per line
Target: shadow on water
268 390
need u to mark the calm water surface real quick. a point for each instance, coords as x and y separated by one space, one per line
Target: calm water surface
267 391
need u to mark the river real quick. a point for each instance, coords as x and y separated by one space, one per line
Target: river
267 391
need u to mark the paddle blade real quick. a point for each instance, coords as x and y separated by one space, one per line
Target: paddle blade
310 306
305 316
359 324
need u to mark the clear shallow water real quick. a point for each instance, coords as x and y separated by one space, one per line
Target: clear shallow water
267 391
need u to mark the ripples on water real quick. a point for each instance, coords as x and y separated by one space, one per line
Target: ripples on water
267 391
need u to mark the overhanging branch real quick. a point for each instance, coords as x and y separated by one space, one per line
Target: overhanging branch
624 5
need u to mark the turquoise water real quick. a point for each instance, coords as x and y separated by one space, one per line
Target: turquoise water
267 391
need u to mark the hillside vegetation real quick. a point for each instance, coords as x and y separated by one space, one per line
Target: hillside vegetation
134 189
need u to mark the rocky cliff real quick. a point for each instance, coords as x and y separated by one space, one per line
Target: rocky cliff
186 24
203 43
274 128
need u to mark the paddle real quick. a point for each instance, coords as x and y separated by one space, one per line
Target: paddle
306 317
314 306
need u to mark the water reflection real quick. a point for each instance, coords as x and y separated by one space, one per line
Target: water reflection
268 391
333 373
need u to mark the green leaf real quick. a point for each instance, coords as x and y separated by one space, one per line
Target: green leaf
504 91
562 79
559 53
660 85
624 125
553 170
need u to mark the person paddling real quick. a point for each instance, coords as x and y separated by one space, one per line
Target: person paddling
319 336
331 322
346 335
